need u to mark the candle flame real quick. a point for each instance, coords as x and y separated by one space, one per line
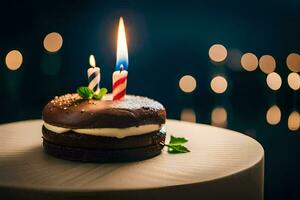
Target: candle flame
92 61
122 52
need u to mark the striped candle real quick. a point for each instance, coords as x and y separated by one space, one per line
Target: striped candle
120 75
94 75
119 84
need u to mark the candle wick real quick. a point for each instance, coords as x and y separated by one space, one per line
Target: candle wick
121 68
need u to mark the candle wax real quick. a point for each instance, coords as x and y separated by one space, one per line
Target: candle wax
94 78
119 83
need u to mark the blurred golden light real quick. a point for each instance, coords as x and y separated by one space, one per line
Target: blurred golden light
187 83
217 52
294 81
267 64
273 115
218 84
219 117
274 81
53 42
14 60
188 115
249 61
293 62
294 121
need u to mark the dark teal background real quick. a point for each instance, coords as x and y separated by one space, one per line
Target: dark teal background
166 40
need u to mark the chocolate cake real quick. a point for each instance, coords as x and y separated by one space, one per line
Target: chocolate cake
103 130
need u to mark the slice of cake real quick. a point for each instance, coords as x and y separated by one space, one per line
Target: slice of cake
103 130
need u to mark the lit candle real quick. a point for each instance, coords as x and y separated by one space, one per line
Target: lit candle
120 75
94 75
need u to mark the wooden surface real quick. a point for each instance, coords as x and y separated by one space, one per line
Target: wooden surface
221 164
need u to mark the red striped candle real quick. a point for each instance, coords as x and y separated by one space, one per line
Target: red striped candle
120 75
119 84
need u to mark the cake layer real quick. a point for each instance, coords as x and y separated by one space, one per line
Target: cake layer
71 111
109 132
74 139
101 156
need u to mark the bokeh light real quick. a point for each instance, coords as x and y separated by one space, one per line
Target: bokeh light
294 81
14 60
53 42
294 121
249 61
219 117
293 62
267 64
188 115
187 83
218 84
273 115
274 81
217 53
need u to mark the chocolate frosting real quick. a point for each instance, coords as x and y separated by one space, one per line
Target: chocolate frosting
71 111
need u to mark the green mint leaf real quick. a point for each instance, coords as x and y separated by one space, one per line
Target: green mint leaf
174 149
97 96
177 140
85 92
101 93
175 146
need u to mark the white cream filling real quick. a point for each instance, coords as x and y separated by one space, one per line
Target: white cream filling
109 132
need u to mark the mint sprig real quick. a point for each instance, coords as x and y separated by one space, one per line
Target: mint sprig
87 93
101 93
176 145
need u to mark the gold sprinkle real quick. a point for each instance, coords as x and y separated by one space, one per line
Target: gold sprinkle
82 110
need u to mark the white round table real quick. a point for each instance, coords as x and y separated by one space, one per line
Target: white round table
222 164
